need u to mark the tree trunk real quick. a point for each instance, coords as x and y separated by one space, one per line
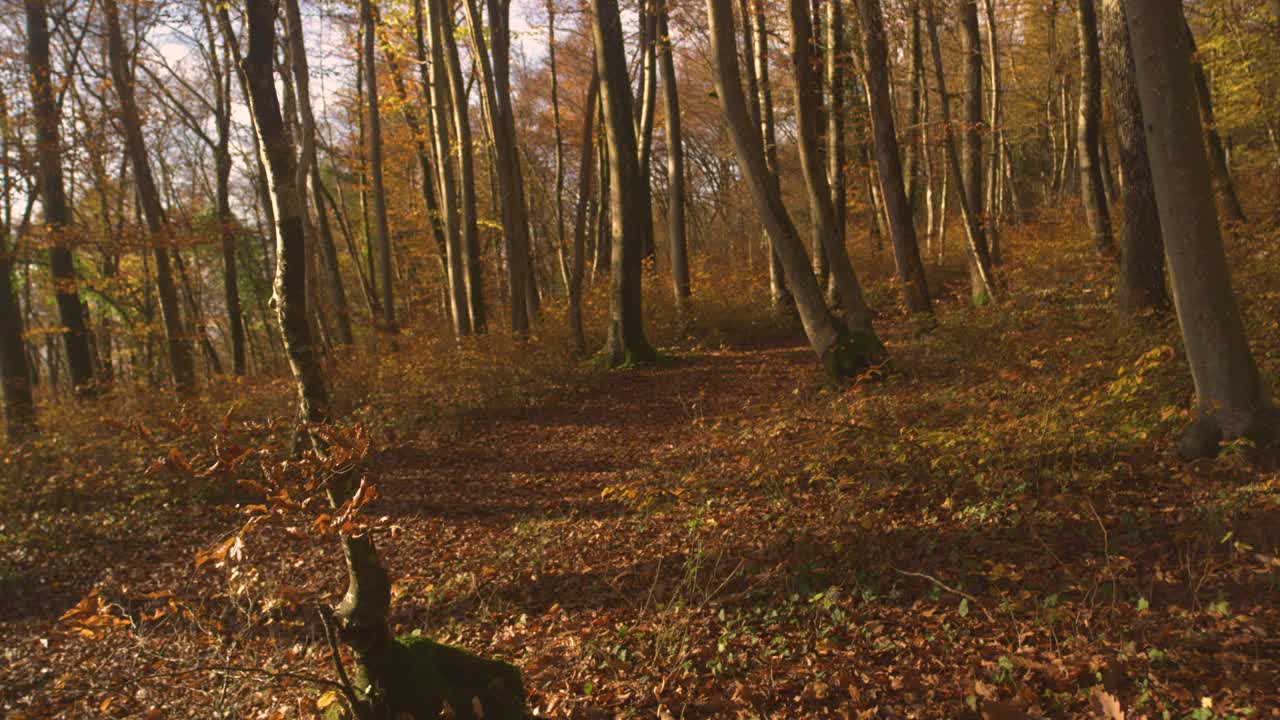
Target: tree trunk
626 343
424 139
648 101
906 250
779 291
604 227
470 229
675 161
1141 285
971 161
495 77
994 179
15 375
382 235
441 100
1217 156
834 67
1087 130
181 361
221 76
15 378
1054 182
371 270
586 164
843 352
857 314
53 197
981 276
1104 164
558 142
1232 400
309 169
915 119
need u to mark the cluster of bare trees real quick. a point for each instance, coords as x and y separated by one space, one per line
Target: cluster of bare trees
858 100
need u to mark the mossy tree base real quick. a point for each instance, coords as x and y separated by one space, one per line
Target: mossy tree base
853 353
1203 438
624 359
423 676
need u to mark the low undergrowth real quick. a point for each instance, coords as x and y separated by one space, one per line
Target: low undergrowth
997 519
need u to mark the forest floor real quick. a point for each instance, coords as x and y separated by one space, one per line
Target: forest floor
996 524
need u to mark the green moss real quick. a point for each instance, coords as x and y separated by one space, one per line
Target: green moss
630 360
425 675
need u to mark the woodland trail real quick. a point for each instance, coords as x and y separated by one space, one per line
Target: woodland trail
722 536
556 462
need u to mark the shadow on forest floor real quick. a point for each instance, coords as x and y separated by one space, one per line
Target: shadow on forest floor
727 536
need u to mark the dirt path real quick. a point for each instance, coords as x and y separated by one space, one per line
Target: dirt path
555 458
497 494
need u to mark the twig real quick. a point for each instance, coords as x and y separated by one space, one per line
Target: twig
939 583
274 675
331 636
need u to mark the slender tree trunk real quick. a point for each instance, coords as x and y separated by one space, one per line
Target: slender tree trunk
981 274
18 362
1054 186
926 141
948 171
232 46
994 179
604 224
382 234
1104 164
835 76
1141 285
647 106
779 291
424 138
915 118
626 343
53 200
441 100
495 77
1232 400
181 361
1088 128
558 141
371 270
842 352
971 161
1217 156
586 164
221 75
197 322
470 229
675 161
309 169
857 314
906 250
15 375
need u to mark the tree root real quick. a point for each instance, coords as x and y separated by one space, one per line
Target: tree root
419 677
